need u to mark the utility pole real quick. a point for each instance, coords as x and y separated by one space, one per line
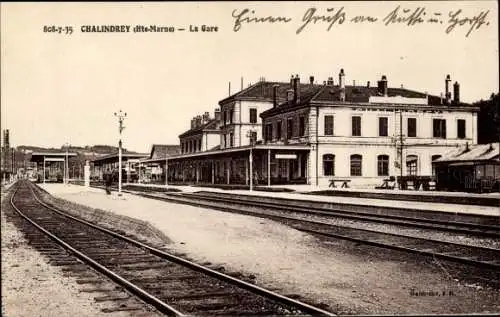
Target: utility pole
399 144
166 169
251 135
66 165
121 116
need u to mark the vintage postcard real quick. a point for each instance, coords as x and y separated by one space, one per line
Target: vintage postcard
250 158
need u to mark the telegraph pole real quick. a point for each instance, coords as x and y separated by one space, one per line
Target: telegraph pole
401 144
121 116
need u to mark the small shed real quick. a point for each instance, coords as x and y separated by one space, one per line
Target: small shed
474 168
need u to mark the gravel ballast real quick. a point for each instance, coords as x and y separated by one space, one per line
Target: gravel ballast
349 278
31 287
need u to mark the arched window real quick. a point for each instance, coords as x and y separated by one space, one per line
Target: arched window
383 165
356 161
329 165
411 164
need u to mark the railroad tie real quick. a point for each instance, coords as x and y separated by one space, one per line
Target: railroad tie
121 308
111 298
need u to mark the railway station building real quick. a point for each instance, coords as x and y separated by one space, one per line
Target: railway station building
310 133
295 132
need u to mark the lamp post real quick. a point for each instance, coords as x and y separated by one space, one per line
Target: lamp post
66 164
251 135
121 116
398 140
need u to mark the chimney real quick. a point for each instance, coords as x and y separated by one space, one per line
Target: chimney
342 84
291 81
341 78
206 117
382 86
330 81
275 96
217 114
368 84
193 123
198 120
456 92
441 98
447 89
311 80
296 89
289 95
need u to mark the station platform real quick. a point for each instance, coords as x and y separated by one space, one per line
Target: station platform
303 192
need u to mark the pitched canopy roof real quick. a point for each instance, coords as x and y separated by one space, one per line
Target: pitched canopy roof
479 152
164 150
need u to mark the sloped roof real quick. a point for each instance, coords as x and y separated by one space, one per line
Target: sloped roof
480 152
353 94
162 150
306 95
263 90
210 125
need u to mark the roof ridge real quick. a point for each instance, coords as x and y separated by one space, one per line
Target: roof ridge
240 92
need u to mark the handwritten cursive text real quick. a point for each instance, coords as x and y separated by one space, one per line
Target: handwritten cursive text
310 16
243 17
475 22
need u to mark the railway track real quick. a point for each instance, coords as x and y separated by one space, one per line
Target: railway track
174 286
484 230
483 226
487 258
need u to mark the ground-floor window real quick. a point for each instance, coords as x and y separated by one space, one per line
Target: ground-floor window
356 161
411 164
383 165
329 165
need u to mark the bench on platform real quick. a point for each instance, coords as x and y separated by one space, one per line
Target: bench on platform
388 183
417 182
345 183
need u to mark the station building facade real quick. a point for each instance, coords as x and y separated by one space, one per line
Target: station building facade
309 133
366 134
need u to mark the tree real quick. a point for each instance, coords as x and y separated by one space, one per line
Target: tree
488 119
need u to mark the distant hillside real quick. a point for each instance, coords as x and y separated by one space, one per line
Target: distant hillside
22 154
94 149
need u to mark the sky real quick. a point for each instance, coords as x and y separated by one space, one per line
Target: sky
58 88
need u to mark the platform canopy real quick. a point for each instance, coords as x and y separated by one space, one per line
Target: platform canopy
113 158
51 156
